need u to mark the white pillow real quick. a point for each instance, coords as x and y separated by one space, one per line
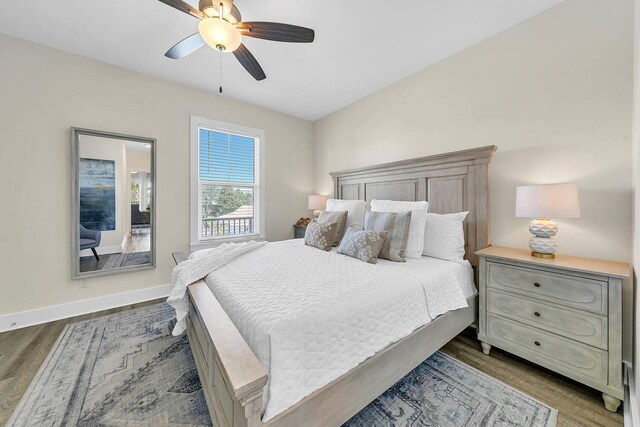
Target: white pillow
444 236
415 242
355 211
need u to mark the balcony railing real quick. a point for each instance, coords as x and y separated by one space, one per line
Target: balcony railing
217 227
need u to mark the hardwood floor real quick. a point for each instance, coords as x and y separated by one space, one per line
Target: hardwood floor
90 263
577 404
23 351
136 242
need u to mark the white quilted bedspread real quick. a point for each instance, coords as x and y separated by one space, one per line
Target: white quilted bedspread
310 316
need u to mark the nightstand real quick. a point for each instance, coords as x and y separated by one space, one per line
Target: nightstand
298 231
564 314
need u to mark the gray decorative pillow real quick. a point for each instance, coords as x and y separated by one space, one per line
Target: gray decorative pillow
319 235
338 216
397 225
362 244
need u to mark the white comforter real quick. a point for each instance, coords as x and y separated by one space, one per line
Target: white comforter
310 316
199 264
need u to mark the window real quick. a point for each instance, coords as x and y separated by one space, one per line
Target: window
227 196
135 193
142 199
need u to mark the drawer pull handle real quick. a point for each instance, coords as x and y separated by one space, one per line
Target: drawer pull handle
537 343
537 314
537 285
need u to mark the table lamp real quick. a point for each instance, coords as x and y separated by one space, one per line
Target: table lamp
317 202
544 202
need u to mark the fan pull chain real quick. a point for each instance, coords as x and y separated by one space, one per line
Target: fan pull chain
220 73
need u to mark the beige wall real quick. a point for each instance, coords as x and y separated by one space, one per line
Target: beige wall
138 161
553 93
43 92
636 192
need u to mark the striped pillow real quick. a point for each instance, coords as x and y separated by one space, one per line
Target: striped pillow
397 227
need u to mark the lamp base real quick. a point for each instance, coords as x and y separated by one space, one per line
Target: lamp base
541 255
543 227
542 243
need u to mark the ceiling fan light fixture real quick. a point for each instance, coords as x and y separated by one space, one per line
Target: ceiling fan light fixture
219 34
215 5
209 12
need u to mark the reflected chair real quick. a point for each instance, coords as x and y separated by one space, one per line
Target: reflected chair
90 239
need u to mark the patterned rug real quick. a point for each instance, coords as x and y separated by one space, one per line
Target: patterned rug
127 370
109 261
127 260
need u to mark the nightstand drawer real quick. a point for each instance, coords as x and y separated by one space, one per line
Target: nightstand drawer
571 291
581 326
563 356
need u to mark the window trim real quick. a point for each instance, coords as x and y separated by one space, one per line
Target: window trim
195 241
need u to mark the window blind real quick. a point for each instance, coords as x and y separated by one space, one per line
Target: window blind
225 157
228 182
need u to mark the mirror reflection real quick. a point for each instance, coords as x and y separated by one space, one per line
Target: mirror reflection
114 196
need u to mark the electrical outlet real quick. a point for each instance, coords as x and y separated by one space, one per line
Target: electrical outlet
84 284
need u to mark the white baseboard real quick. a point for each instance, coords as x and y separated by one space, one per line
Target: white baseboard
37 316
631 404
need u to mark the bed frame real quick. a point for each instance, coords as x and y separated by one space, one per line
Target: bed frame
232 377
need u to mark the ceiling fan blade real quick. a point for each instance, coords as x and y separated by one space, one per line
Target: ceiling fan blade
235 13
183 7
249 62
277 32
185 47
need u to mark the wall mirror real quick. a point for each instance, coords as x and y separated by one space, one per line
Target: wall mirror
112 204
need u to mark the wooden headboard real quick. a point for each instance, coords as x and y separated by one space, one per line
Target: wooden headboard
450 182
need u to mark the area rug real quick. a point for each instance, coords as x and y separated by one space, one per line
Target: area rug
127 370
127 260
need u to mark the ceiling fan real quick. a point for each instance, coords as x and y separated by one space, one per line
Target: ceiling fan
221 27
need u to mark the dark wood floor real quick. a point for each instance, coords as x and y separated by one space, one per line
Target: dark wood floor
23 351
138 241
90 263
577 404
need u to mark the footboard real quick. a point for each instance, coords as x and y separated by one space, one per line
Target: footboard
233 379
231 376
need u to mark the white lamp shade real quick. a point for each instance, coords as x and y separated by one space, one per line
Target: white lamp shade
547 201
317 202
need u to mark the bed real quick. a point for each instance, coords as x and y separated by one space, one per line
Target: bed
232 368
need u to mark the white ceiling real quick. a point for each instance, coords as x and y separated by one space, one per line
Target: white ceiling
361 46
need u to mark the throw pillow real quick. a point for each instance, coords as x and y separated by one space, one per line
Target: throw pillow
361 244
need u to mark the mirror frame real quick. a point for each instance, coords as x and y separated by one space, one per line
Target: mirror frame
75 203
